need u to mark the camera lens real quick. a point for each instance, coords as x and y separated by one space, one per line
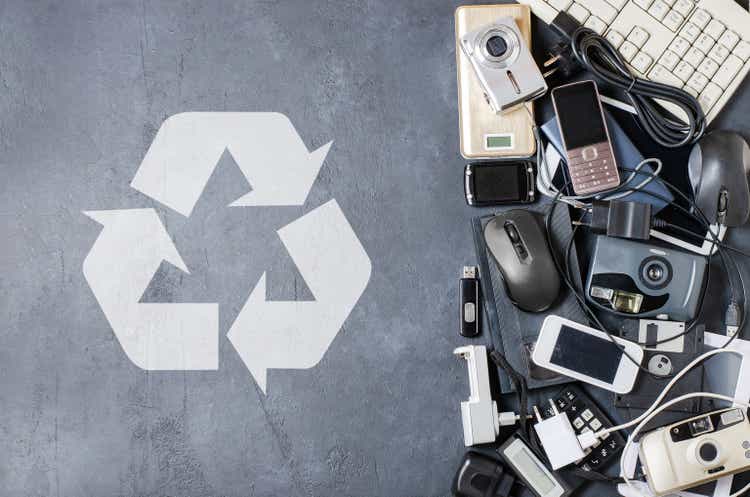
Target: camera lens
496 46
655 272
708 452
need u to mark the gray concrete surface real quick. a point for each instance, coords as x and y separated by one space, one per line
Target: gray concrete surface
84 85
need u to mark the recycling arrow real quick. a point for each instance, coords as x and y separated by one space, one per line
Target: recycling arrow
265 145
119 267
134 242
296 335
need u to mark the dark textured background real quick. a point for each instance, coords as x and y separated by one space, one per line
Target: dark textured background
84 85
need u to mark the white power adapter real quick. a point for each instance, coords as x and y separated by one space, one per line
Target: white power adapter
479 414
558 438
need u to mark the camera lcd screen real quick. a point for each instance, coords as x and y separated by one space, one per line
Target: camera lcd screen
586 354
580 116
499 183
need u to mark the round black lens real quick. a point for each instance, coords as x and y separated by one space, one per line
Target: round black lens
496 46
654 272
708 452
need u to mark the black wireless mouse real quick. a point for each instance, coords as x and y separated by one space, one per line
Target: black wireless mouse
718 168
518 243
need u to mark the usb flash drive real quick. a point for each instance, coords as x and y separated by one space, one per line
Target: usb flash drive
471 309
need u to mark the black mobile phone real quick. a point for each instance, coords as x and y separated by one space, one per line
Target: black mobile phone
591 161
498 183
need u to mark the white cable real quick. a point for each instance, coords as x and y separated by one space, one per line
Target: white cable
657 411
664 392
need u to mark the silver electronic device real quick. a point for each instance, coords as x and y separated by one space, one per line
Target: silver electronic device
504 65
696 450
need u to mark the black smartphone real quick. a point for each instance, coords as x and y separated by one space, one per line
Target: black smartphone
498 183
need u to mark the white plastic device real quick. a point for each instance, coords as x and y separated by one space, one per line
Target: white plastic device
479 414
558 437
587 354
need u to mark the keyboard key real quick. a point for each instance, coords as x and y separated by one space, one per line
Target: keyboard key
659 9
615 38
644 4
638 36
669 60
701 18
691 91
727 71
596 24
618 4
710 96
683 71
680 46
694 57
601 9
697 82
742 50
628 51
642 62
561 4
673 21
578 423
595 425
704 43
690 32
684 7
719 53
708 67
729 39
661 74
587 414
715 29
579 12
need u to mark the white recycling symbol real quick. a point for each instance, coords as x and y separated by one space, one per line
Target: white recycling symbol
266 334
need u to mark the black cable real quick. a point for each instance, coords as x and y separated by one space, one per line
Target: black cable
600 57
660 223
697 213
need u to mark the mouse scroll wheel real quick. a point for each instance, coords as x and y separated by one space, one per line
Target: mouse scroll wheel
512 233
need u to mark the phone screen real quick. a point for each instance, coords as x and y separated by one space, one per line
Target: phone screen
500 183
580 116
587 354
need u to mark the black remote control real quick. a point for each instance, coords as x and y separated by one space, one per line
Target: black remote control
585 415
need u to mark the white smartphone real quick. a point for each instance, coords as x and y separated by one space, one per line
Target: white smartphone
586 354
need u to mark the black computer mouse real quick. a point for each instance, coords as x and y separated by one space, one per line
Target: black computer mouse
718 169
518 243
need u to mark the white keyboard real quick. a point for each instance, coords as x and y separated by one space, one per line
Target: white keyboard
702 47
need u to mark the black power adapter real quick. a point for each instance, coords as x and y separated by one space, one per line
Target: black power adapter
621 219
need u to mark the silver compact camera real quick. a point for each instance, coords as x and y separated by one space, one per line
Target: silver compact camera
504 65
696 451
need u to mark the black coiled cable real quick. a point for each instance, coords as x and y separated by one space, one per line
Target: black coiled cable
600 57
